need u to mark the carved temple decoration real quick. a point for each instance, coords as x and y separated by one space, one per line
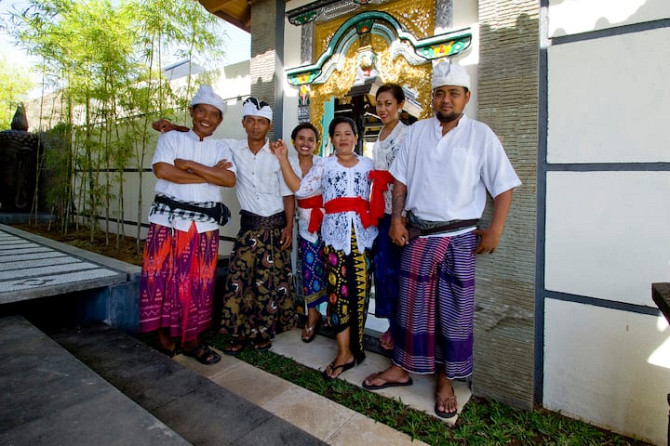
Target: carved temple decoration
391 41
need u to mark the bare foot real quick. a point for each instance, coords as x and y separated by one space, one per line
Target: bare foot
393 374
445 400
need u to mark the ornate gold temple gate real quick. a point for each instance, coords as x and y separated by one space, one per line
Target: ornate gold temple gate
391 43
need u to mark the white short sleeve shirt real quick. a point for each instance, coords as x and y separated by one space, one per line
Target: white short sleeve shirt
260 185
447 177
187 145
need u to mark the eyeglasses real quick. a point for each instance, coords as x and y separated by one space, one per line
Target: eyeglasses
256 102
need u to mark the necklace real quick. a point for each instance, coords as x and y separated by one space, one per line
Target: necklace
387 129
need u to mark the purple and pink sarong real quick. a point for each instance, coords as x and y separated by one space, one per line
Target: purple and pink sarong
177 281
434 317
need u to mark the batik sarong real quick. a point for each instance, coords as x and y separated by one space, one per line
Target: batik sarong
313 271
258 297
349 282
434 317
386 265
177 281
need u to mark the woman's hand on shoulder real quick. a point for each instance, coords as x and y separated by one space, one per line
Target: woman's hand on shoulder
279 148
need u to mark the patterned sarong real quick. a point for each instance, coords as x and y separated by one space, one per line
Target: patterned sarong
386 264
313 271
258 297
177 281
349 282
434 318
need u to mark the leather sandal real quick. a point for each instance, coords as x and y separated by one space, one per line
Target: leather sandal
311 331
234 348
203 354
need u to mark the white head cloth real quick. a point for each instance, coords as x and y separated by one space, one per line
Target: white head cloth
207 96
254 107
447 73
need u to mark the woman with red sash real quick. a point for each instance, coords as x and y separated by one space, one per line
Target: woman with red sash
386 255
348 232
305 138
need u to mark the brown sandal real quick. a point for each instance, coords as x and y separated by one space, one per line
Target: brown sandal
234 348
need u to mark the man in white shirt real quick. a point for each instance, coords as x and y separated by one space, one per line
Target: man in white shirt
443 172
258 301
182 246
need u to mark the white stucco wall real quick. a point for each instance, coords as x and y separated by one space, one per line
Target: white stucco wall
608 99
577 16
607 234
608 367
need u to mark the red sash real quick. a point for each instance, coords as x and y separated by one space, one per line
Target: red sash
355 204
380 184
314 203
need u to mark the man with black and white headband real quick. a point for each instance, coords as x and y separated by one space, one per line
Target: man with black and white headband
258 301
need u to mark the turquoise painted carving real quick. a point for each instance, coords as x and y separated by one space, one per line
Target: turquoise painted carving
401 41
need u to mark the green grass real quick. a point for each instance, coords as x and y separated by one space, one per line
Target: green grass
482 422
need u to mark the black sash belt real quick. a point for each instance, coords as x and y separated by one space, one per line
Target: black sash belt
251 221
415 232
219 212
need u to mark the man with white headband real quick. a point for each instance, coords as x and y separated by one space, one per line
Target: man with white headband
258 297
443 172
182 246
257 300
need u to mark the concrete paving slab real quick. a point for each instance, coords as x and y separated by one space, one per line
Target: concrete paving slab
361 430
192 405
256 385
99 420
49 397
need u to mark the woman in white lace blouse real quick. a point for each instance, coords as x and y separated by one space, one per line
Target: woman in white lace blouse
348 233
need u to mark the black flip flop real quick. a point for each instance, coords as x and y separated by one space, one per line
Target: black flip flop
388 384
444 413
333 367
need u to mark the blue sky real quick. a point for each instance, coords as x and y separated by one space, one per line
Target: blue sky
237 44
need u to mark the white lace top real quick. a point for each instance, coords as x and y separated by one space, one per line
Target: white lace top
384 154
337 181
304 215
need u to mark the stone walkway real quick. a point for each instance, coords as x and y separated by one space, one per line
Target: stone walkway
321 417
32 266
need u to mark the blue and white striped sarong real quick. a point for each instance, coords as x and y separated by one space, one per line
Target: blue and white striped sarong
434 317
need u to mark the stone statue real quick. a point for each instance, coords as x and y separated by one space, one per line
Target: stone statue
18 162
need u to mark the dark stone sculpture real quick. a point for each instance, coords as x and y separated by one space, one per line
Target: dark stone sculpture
18 162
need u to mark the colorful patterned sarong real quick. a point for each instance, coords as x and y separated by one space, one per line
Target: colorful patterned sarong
177 281
386 264
258 297
313 271
349 282
434 318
